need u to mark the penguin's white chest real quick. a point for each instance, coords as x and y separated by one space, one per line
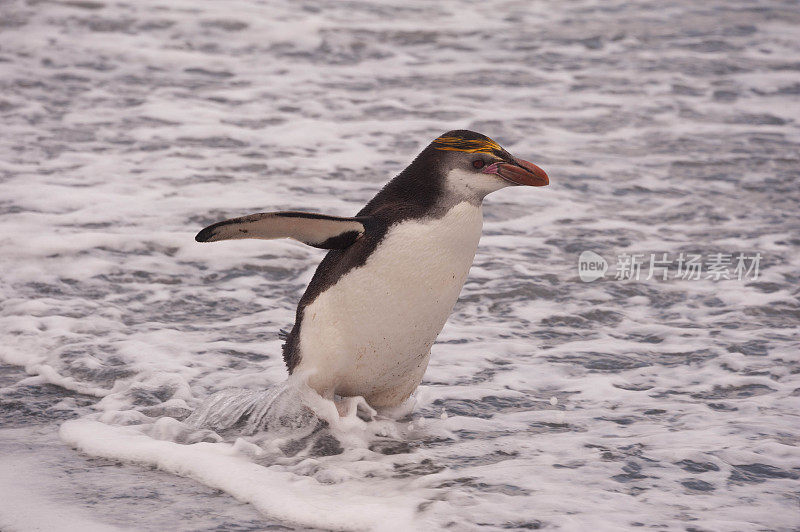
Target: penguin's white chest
370 334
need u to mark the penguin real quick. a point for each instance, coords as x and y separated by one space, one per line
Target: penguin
383 292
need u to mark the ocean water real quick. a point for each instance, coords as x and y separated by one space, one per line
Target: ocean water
141 382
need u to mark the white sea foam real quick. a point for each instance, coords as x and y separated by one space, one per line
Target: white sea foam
280 494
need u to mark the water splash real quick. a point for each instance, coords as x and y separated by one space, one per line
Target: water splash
278 409
293 418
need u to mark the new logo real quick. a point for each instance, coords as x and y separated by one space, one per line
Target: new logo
591 266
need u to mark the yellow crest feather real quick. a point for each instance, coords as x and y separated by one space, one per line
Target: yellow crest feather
469 146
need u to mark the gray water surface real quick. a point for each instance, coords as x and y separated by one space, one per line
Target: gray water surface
665 128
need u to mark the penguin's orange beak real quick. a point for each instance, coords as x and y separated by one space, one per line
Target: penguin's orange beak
520 173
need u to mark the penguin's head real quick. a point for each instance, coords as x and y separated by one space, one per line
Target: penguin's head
473 165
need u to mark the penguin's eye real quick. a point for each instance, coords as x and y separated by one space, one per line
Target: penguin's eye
478 163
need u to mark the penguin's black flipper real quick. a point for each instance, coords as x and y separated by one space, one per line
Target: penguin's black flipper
318 230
